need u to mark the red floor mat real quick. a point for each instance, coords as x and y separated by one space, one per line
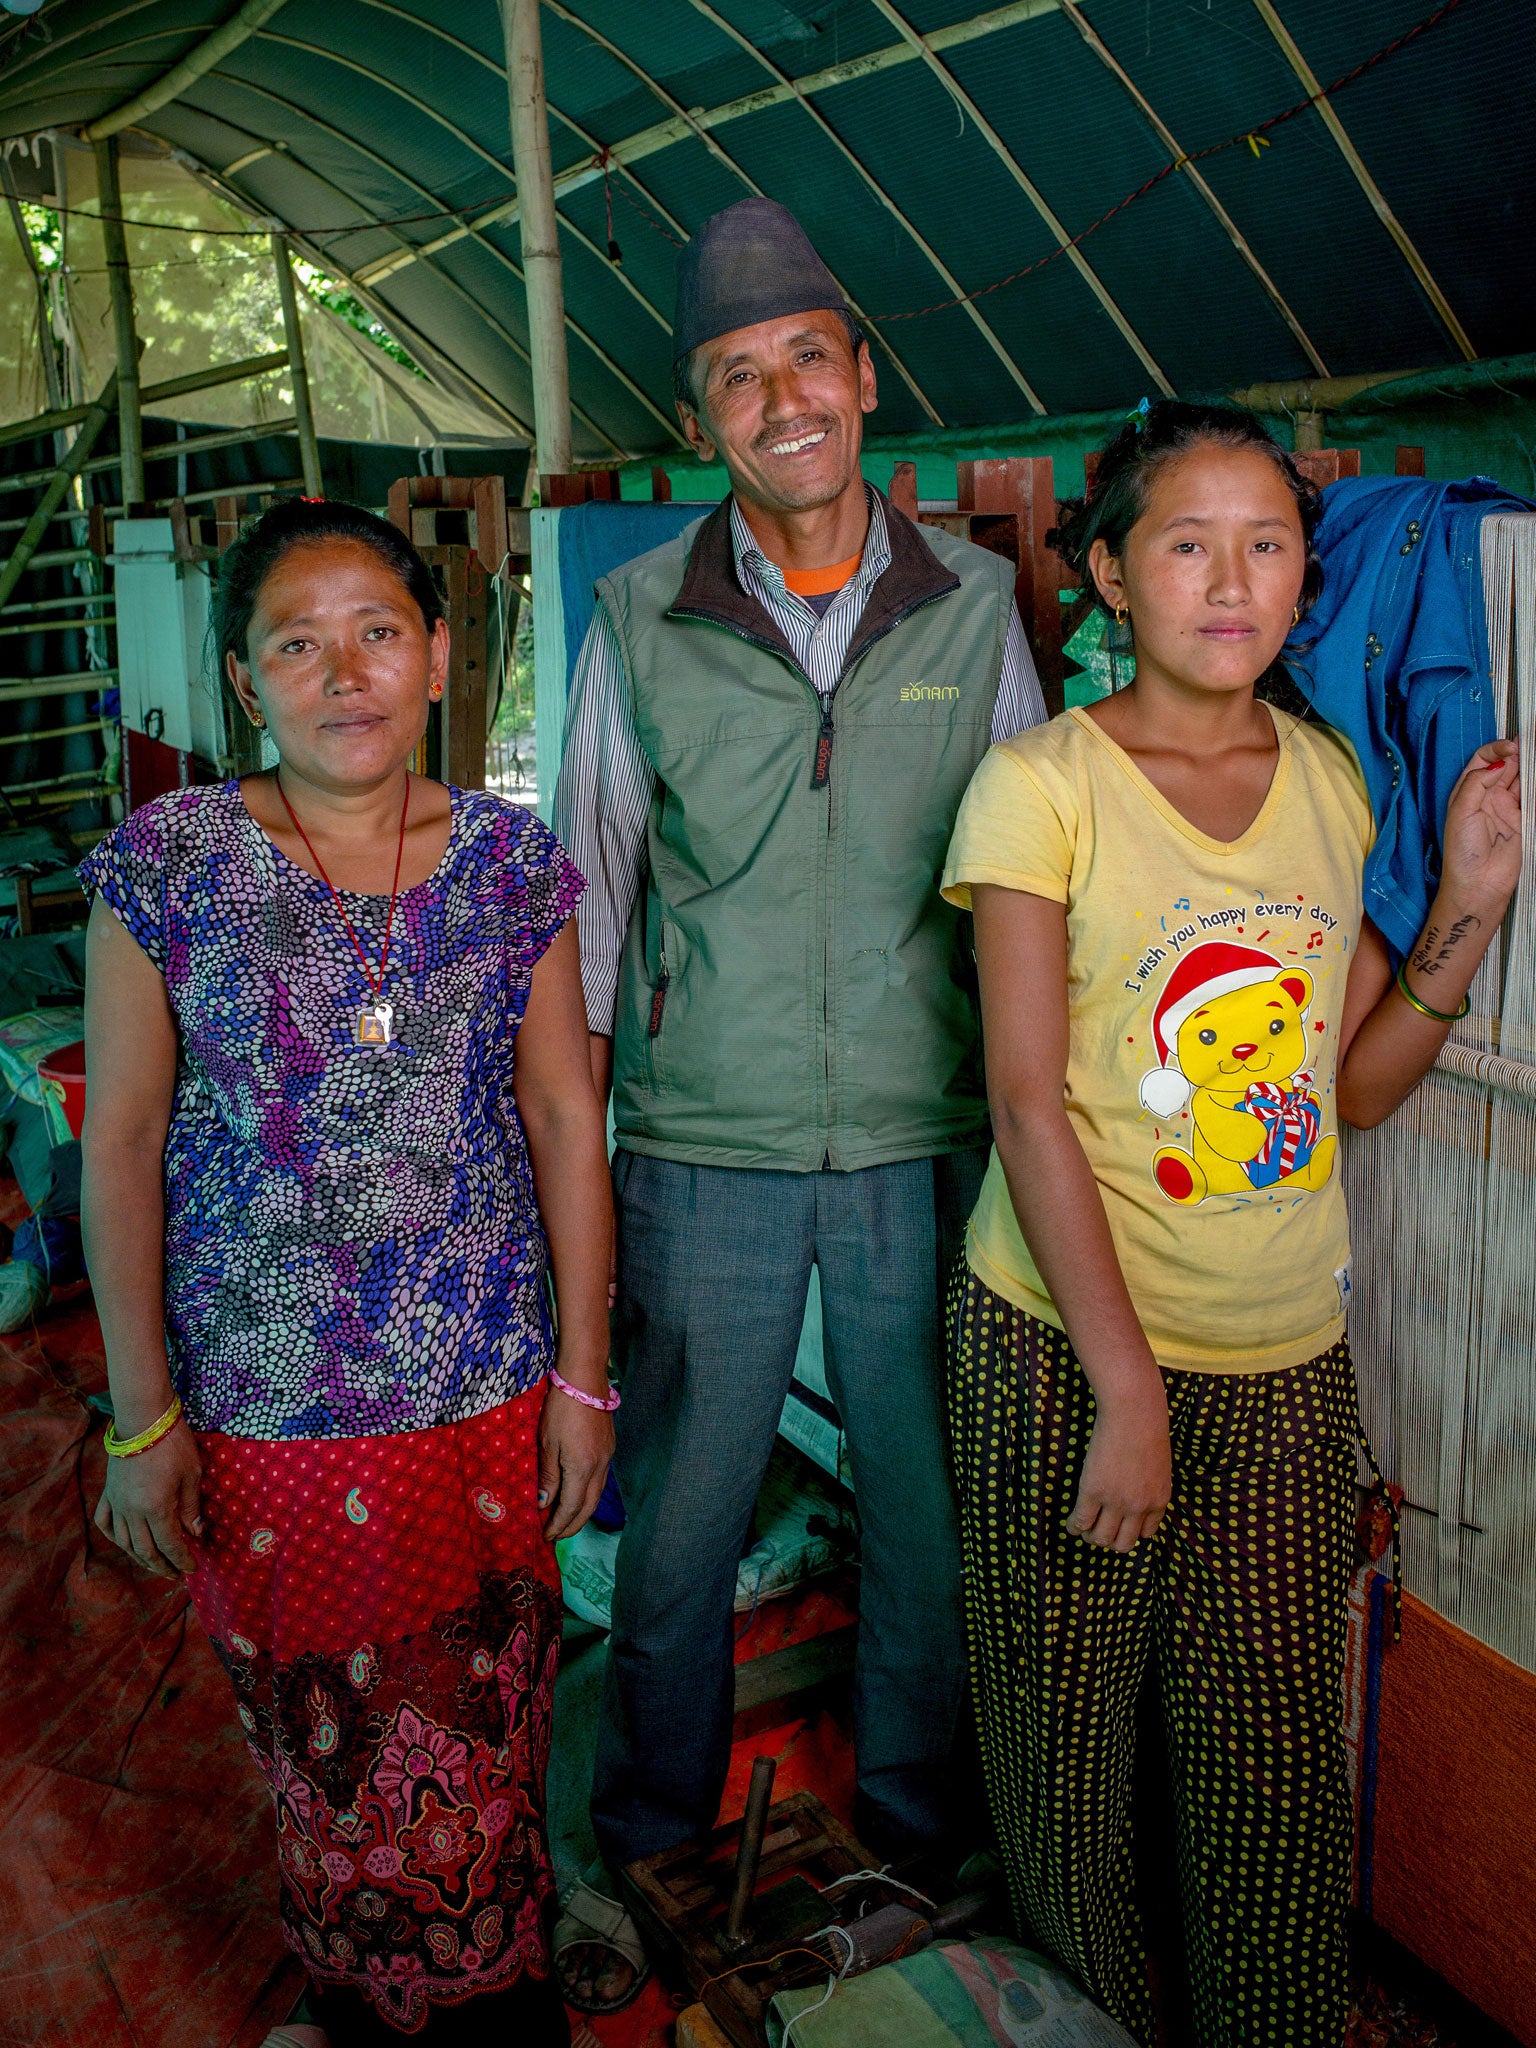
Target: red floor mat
137 1889
137 1892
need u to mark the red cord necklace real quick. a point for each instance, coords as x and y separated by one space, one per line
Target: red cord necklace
373 1024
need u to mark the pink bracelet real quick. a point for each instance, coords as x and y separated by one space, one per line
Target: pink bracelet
586 1400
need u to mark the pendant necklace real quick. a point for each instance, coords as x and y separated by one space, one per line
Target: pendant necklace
374 1023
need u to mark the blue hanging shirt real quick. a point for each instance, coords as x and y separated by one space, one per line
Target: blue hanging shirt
1394 655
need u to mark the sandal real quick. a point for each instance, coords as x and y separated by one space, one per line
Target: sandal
590 1921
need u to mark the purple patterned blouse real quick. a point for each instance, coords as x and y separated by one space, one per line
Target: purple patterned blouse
352 1245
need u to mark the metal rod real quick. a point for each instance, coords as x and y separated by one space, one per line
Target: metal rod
309 447
540 235
53 497
754 1823
120 279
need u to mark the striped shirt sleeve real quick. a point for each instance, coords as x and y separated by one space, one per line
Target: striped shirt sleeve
602 804
606 783
1020 703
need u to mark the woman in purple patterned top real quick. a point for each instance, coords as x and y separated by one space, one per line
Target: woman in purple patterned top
341 1143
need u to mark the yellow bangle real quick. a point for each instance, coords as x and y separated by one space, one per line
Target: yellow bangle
130 1446
1440 1016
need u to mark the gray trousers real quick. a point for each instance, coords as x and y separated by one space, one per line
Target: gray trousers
714 1270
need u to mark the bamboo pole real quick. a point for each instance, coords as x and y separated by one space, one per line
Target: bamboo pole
151 394
48 732
120 279
309 447
44 321
53 497
22 690
71 625
229 35
168 451
540 234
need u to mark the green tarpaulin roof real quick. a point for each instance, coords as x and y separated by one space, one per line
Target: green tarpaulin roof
932 153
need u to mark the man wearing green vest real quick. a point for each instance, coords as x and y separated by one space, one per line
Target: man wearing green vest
771 725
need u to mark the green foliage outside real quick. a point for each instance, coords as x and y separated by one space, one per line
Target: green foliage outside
352 310
510 764
207 283
47 236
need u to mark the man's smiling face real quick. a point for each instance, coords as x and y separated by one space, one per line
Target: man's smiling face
783 404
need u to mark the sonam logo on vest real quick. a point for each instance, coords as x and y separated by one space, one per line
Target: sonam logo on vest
929 693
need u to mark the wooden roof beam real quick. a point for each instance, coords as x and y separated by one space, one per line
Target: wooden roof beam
1364 180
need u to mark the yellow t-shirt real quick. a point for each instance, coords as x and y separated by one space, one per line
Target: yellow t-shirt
1206 986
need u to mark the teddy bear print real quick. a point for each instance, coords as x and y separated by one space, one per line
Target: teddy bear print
1230 1025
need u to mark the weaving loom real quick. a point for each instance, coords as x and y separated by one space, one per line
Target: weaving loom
1442 1201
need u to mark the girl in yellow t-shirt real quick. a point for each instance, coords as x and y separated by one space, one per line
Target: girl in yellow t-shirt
1153 1405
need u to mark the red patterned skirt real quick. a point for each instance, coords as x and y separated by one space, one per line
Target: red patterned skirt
389 1614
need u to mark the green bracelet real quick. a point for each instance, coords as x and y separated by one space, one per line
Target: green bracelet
1439 1016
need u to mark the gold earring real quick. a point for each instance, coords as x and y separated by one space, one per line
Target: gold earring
1295 614
1122 613
257 719
436 693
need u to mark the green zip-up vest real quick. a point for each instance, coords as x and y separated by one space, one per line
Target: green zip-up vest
794 991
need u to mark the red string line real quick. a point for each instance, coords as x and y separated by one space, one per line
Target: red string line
1251 136
604 158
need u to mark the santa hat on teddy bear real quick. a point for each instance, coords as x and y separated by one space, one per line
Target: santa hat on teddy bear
1211 970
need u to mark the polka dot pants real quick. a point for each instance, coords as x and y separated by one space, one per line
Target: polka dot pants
1238 1606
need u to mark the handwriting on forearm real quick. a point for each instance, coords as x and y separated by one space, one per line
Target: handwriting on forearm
1434 951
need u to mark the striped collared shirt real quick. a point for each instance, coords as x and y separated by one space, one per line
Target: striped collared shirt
606 783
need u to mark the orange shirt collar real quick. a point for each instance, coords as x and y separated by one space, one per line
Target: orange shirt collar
818 582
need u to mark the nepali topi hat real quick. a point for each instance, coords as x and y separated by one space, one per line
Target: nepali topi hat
751 262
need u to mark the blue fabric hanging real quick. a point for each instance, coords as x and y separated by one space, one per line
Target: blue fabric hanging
595 539
1394 655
